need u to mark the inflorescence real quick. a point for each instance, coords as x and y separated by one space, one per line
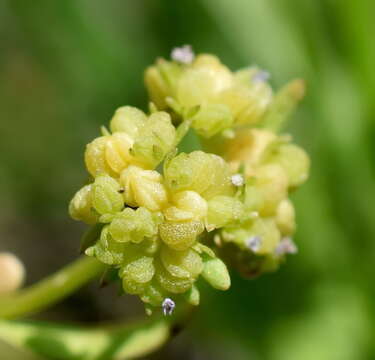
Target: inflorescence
169 218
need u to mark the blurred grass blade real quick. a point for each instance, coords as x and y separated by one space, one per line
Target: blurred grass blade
78 343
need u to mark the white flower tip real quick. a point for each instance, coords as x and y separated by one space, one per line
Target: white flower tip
183 54
254 243
286 246
237 180
168 306
261 76
12 273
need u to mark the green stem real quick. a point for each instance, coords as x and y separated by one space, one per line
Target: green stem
51 289
122 341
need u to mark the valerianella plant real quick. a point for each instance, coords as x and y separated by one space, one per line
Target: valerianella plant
163 220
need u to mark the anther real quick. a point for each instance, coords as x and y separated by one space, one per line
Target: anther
168 306
237 180
183 54
254 243
260 76
286 246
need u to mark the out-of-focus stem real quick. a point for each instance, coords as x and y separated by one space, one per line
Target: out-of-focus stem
50 290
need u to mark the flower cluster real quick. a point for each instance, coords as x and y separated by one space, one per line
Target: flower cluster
168 219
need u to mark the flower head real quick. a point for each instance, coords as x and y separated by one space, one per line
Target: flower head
169 218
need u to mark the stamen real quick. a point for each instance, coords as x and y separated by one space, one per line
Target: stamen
183 54
168 306
286 246
254 243
237 180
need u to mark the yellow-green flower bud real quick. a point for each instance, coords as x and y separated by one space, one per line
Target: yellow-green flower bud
203 81
160 81
294 161
12 273
107 250
223 211
249 147
143 188
128 119
266 231
272 184
154 294
134 225
212 119
188 205
173 284
216 273
106 195
207 174
253 198
155 140
180 235
260 237
181 264
193 296
248 103
139 270
108 154
80 207
285 217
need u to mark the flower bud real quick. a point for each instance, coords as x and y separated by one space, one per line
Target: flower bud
139 270
192 296
181 264
80 207
212 119
272 184
106 197
216 273
107 250
248 103
294 161
266 230
108 154
249 147
128 119
203 81
173 284
223 211
285 217
180 235
134 225
12 273
160 81
188 205
154 294
143 188
155 140
207 174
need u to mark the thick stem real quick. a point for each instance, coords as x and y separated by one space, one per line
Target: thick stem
51 289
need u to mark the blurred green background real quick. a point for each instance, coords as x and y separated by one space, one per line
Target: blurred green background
66 65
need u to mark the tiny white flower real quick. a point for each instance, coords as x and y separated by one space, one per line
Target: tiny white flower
237 180
183 54
168 306
254 243
286 246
